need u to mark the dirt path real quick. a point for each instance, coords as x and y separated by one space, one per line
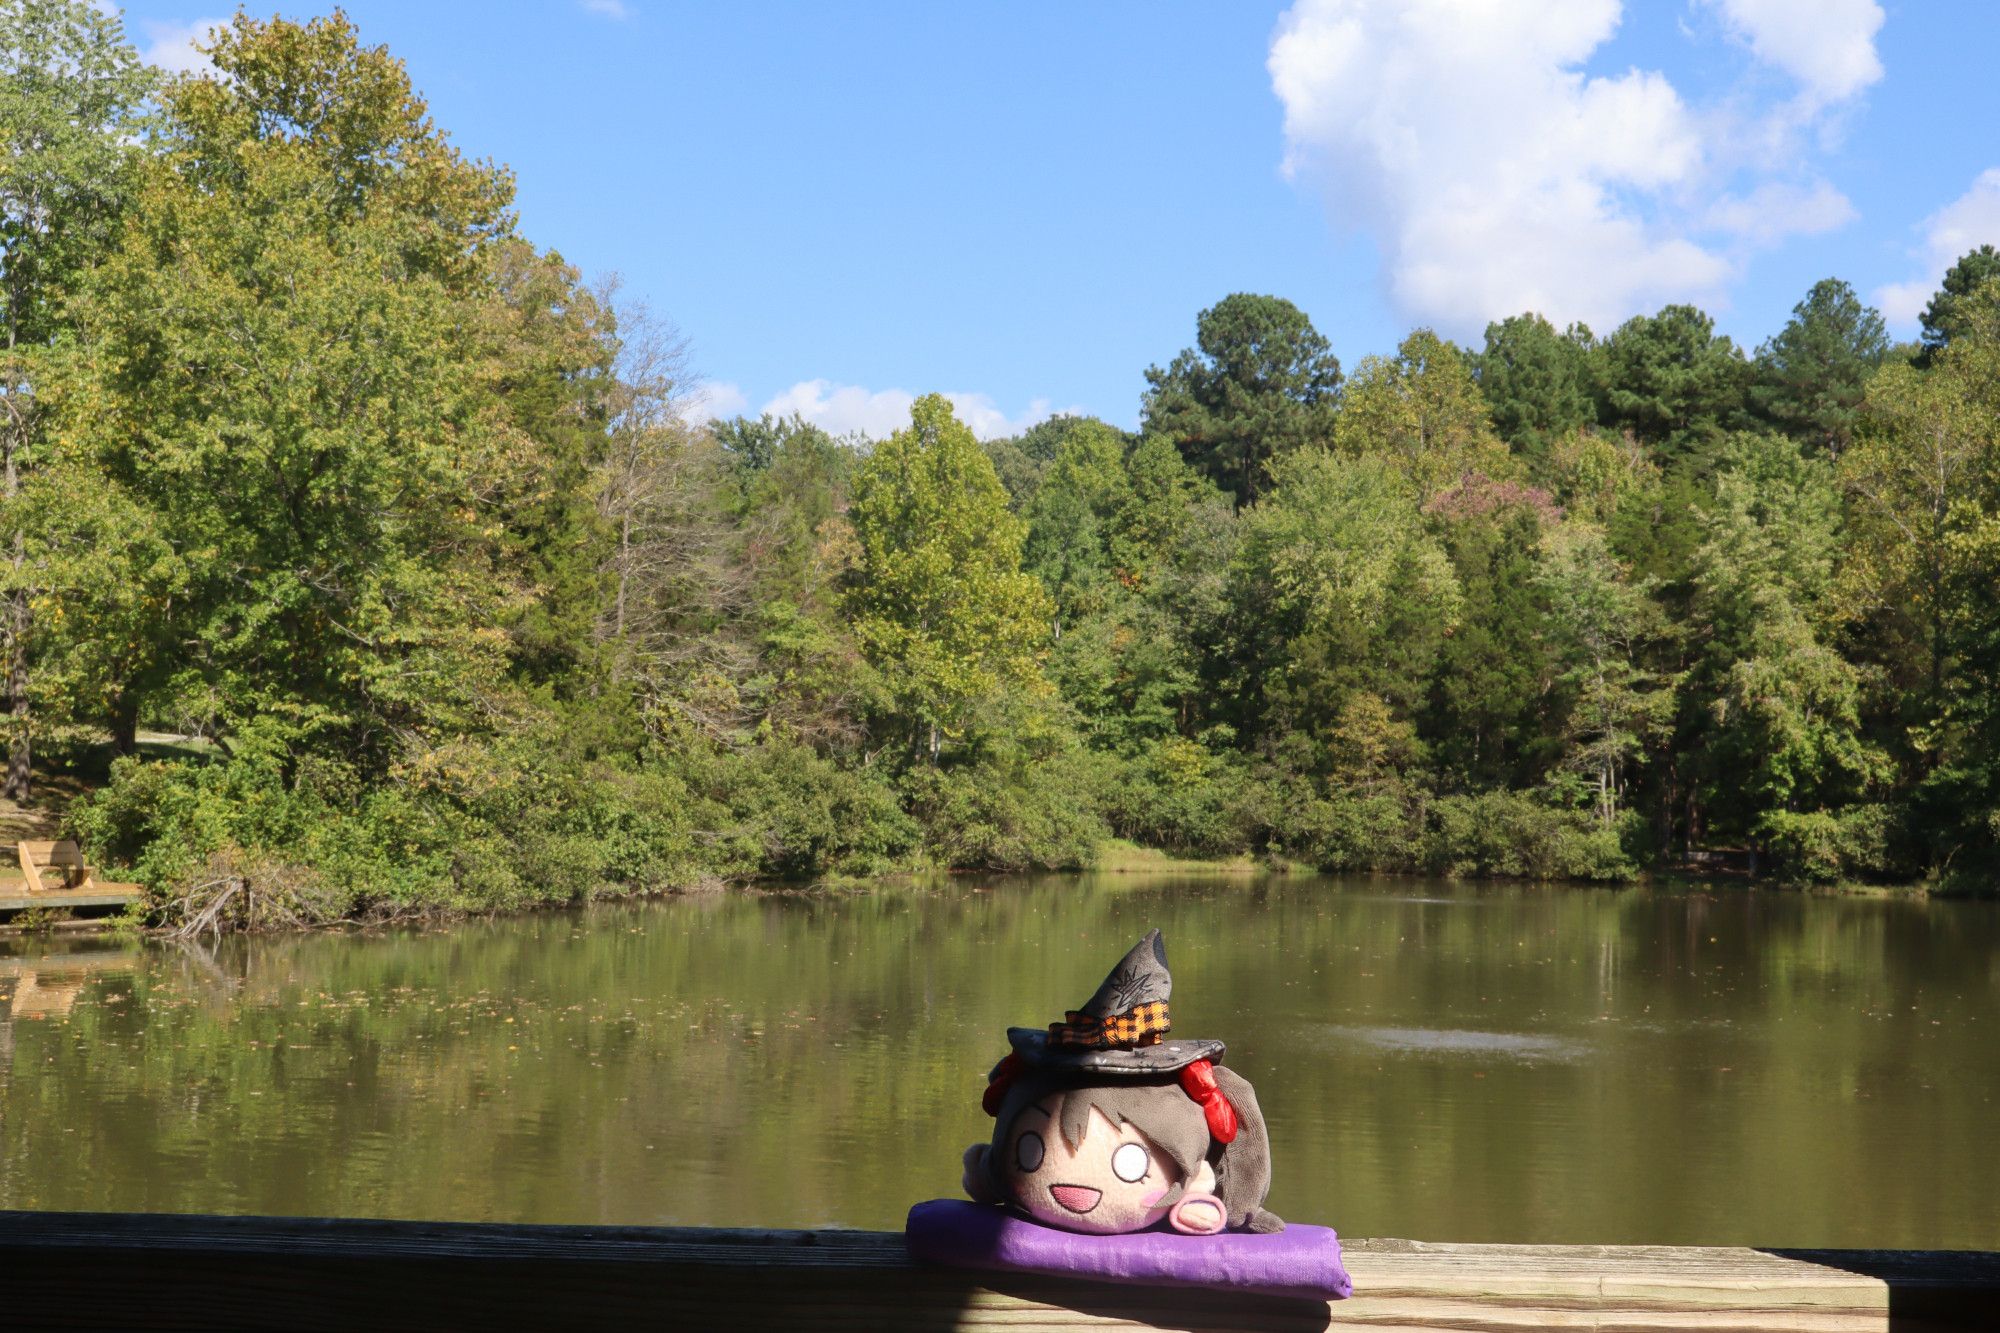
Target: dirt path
41 816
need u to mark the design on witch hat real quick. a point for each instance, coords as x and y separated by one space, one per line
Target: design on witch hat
1121 1030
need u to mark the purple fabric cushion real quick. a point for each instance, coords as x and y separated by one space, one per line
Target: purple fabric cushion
1299 1261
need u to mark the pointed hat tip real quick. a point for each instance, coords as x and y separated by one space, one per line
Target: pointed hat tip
1141 975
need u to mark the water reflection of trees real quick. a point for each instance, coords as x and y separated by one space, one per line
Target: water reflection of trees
813 1059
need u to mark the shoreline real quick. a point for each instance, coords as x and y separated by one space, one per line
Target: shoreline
1117 858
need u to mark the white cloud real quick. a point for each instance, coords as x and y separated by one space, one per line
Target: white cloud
610 9
1828 46
843 408
1497 176
171 46
1966 223
1777 209
711 399
988 422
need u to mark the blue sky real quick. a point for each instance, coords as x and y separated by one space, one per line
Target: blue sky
1026 205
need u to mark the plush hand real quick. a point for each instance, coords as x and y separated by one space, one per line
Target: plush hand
977 1182
1198 1215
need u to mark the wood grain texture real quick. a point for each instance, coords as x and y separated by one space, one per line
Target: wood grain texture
143 1272
101 896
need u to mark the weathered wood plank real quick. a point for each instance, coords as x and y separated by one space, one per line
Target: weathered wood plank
98 897
93 1271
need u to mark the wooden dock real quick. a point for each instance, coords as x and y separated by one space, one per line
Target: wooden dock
142 1272
16 897
54 875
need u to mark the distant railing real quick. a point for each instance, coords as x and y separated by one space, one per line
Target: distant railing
141 1272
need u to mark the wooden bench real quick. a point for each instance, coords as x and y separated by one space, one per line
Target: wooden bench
54 874
62 862
140 1272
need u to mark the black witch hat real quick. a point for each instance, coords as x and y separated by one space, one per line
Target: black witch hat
1121 1030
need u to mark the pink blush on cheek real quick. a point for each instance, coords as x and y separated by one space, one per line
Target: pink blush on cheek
1152 1200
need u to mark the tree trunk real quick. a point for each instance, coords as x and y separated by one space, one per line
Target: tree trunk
624 568
125 724
20 757
20 752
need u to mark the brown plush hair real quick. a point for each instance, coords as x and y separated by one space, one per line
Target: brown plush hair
1159 1109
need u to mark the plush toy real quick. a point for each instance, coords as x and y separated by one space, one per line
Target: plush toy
1124 1155
1103 1125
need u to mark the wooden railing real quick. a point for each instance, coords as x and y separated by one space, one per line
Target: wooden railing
140 1272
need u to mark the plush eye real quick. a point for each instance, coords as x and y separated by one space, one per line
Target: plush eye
1028 1152
1130 1163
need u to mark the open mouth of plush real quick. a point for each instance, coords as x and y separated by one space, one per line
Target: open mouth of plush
1076 1198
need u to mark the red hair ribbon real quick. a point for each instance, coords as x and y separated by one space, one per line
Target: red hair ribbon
1198 1082
1000 1080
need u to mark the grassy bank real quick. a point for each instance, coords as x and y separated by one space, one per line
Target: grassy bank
1119 856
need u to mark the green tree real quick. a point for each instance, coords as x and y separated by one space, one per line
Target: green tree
1485 717
546 347
1070 518
1150 666
794 518
1596 622
1772 520
1772 713
1260 382
1162 498
755 445
1789 717
1811 377
941 604
1422 409
1919 472
70 92
1672 380
1953 308
1593 474
1345 590
1538 382
290 365
1924 576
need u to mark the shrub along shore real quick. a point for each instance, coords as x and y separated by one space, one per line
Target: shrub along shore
313 459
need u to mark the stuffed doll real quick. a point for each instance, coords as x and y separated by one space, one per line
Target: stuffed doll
1121 1155
1102 1125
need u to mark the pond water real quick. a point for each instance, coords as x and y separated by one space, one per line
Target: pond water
1447 1062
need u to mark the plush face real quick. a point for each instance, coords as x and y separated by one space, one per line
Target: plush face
1114 1180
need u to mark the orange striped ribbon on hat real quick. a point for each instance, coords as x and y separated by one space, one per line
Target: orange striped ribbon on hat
1143 1025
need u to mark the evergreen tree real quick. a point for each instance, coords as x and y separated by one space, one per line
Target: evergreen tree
1259 382
1953 309
1486 717
1538 383
1812 376
1672 380
753 444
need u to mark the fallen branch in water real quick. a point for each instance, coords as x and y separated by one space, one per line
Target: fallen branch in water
241 891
